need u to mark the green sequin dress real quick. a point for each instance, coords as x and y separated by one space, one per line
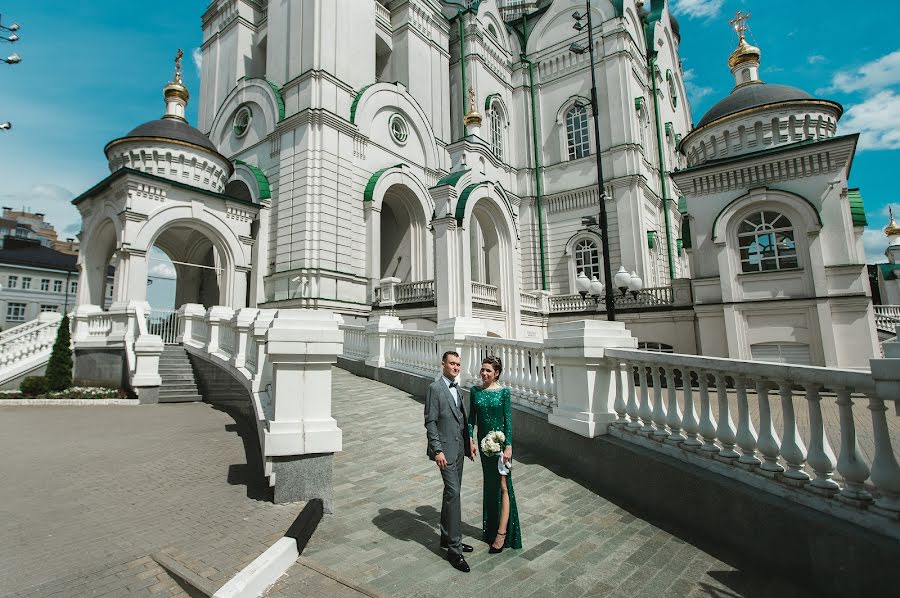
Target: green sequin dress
491 411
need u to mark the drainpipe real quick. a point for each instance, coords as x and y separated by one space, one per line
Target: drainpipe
462 62
662 168
538 187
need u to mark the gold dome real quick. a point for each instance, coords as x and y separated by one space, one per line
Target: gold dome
743 53
175 88
891 229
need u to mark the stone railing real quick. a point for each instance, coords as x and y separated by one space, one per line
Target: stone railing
887 317
485 294
531 302
391 292
283 360
164 323
27 346
527 370
647 298
382 16
743 413
413 351
354 342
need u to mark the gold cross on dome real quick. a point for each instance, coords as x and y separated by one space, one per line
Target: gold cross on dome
178 57
739 22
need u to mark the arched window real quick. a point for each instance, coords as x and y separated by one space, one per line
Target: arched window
495 120
587 259
577 132
766 242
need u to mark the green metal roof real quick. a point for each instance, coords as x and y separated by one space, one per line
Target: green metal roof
857 209
889 271
451 179
682 204
356 100
463 198
279 99
262 181
373 180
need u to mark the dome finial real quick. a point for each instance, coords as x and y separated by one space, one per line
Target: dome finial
176 93
892 230
744 61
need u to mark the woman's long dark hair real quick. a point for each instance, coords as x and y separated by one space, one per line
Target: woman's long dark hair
495 363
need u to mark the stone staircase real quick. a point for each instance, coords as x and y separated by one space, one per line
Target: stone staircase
178 384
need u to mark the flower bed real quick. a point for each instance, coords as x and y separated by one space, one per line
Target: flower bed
75 392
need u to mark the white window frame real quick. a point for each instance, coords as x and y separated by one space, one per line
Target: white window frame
577 141
12 282
570 253
26 283
772 225
57 286
15 312
49 308
45 284
497 126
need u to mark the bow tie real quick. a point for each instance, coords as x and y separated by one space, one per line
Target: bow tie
454 385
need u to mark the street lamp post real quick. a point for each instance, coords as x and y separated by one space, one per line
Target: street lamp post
604 227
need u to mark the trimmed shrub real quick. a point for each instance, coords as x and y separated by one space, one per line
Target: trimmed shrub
33 386
59 368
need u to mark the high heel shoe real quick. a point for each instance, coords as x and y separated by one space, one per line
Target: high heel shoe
493 550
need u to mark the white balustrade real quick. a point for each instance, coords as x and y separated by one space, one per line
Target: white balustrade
413 351
165 324
887 317
421 291
25 346
485 294
382 15
527 371
647 298
779 449
530 302
355 344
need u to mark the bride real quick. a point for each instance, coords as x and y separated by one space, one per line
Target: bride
491 412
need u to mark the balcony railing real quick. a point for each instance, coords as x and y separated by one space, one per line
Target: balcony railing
887 318
485 294
647 298
382 15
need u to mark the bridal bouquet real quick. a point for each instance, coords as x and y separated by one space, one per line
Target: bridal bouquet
492 443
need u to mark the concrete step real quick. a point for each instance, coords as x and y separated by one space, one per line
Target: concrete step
176 388
177 377
183 398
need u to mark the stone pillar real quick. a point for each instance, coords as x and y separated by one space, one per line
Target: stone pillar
214 318
681 292
452 278
302 436
241 321
388 292
260 327
585 382
372 218
189 314
377 329
450 335
81 321
146 380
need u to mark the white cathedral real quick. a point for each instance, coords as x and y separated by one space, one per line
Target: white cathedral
436 161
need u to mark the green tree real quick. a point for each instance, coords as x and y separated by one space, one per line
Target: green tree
59 368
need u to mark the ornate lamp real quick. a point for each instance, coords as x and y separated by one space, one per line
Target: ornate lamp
582 284
622 279
596 290
635 284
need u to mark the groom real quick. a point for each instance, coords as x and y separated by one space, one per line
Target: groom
447 431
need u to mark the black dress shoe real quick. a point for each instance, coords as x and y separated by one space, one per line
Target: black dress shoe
460 564
465 547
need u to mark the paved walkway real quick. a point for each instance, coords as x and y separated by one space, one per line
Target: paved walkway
87 494
384 532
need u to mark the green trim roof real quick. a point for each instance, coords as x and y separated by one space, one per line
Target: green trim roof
857 209
373 180
262 181
487 101
279 99
463 198
451 179
356 100
682 204
890 271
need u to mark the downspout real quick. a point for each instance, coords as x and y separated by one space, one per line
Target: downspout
662 168
462 63
538 186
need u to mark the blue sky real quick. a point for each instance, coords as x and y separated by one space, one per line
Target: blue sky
92 71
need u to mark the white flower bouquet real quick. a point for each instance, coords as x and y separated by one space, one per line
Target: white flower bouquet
492 444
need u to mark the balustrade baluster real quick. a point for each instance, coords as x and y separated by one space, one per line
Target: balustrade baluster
617 369
707 421
689 421
820 457
632 407
850 462
768 442
885 472
792 448
644 411
659 409
673 418
746 434
725 431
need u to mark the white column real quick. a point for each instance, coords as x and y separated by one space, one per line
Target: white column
377 329
214 318
452 271
190 313
585 379
302 346
241 321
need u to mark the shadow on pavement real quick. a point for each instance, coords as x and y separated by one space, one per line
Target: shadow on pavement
421 527
250 473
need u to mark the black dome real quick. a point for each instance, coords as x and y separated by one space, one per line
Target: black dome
751 96
172 128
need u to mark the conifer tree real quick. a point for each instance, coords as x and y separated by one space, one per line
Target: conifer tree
59 368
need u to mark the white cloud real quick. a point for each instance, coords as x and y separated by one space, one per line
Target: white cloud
696 9
815 59
197 55
51 200
871 76
162 269
695 92
877 119
875 243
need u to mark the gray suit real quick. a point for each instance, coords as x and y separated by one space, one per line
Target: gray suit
447 431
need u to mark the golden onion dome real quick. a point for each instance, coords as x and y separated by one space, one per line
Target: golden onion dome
892 228
743 53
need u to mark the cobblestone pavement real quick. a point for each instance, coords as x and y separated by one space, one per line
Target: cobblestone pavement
384 532
87 494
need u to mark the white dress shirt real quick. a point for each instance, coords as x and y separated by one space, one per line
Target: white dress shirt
453 391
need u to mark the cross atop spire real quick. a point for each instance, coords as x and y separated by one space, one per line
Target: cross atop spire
739 22
178 57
